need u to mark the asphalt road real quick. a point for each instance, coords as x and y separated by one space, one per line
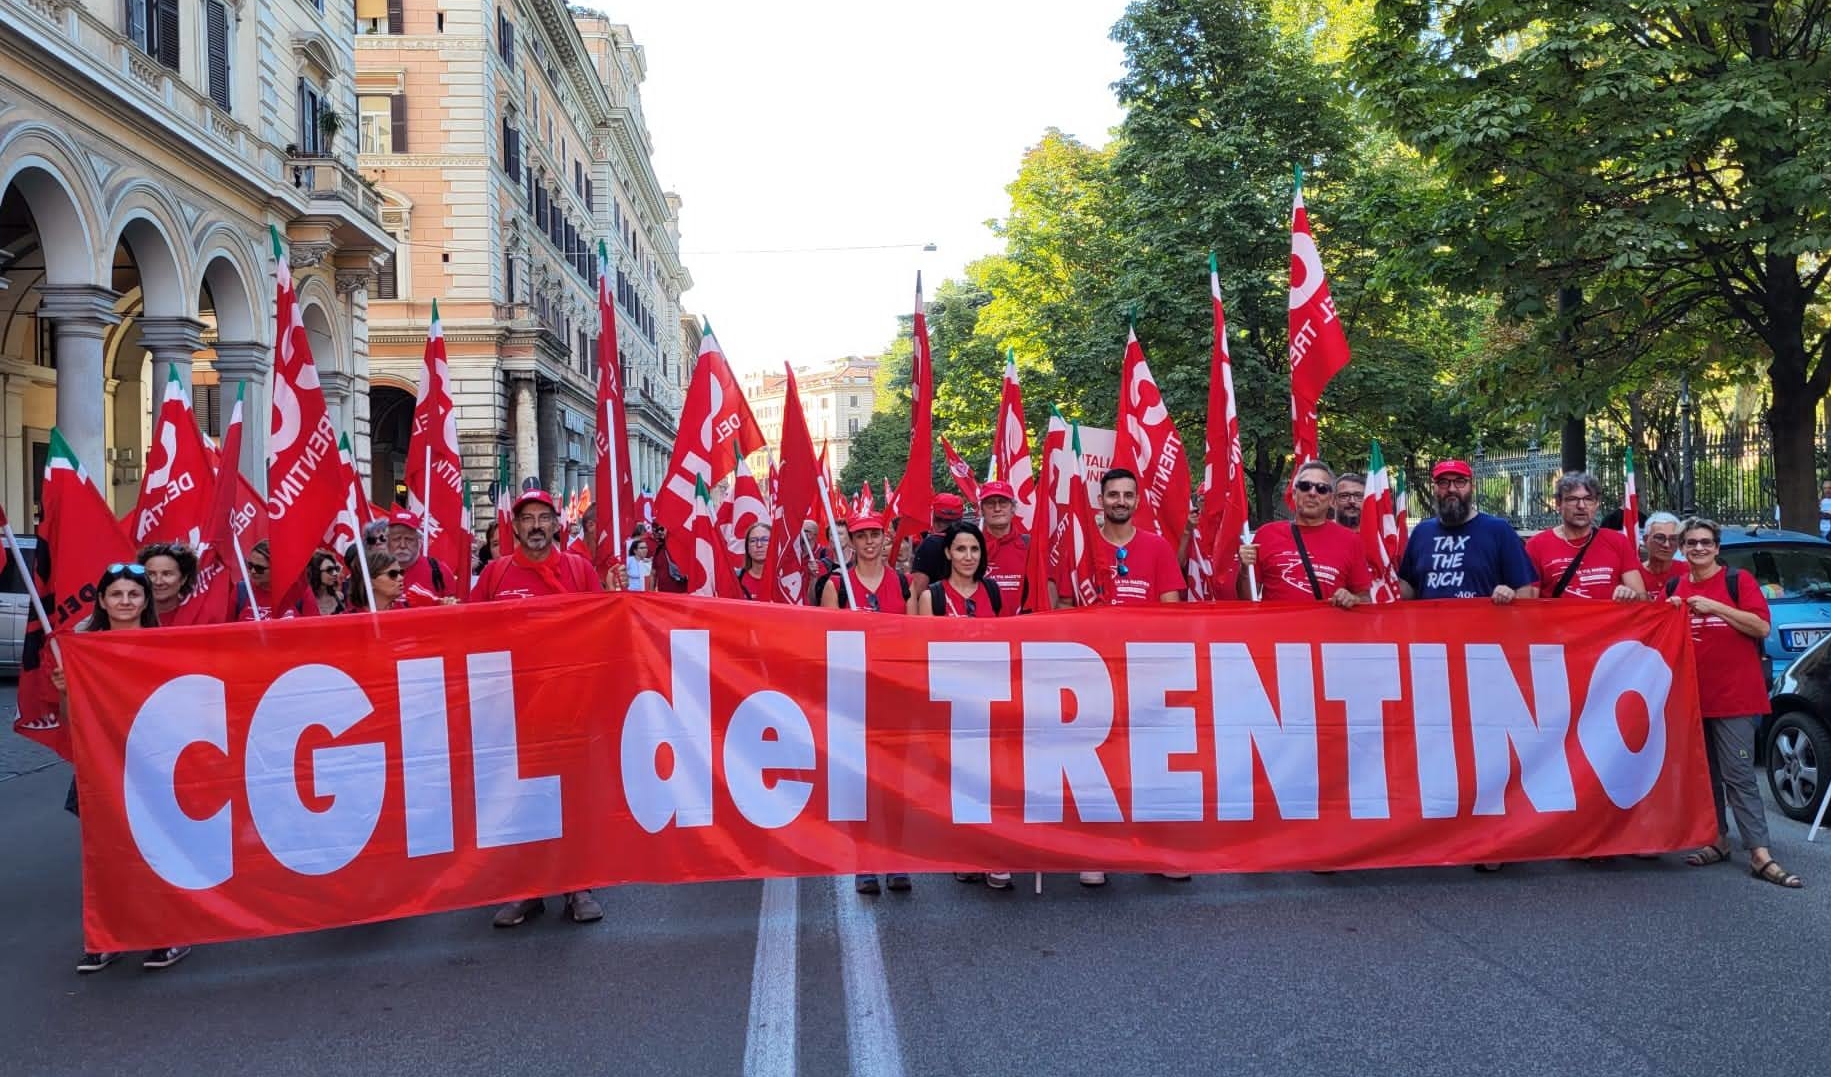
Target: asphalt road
1630 968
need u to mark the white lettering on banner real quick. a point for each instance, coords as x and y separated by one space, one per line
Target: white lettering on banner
189 853
1439 787
750 752
848 775
354 777
511 810
170 492
1286 745
1364 677
1058 752
322 443
969 678
1159 731
684 796
1627 667
1506 725
425 755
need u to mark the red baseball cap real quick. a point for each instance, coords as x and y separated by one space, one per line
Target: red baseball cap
1452 467
403 518
996 488
541 496
865 521
947 507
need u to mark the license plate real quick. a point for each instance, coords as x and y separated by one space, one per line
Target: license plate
1798 639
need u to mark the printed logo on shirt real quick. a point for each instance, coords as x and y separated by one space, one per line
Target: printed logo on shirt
1447 570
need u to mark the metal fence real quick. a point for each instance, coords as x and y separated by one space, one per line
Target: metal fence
1734 475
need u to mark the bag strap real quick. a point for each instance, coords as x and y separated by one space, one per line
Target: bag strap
1304 552
1571 569
937 599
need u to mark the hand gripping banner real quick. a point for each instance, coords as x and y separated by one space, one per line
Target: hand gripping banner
254 779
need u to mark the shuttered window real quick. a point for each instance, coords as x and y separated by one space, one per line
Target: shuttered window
387 280
395 16
167 52
216 26
397 108
152 25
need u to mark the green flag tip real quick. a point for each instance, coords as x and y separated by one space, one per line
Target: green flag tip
435 309
274 234
1214 264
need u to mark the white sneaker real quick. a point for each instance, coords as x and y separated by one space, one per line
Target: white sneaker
1093 878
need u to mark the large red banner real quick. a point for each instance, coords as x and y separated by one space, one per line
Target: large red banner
252 779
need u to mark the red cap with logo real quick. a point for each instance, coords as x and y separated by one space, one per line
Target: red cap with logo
1451 467
865 521
403 518
541 496
996 488
948 507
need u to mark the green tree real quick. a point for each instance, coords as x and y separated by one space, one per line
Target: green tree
1637 170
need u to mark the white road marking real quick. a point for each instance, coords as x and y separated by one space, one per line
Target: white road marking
769 1041
870 1022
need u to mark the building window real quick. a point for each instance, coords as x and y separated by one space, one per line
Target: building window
216 28
509 276
505 37
152 25
311 103
377 119
387 280
511 150
855 400
851 426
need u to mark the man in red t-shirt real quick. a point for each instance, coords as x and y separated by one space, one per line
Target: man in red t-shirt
1336 572
538 568
425 580
1663 562
1607 565
1134 567
1006 551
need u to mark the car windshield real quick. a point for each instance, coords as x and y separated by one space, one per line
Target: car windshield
1785 571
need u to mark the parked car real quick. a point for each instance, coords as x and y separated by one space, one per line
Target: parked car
14 608
1794 570
1796 736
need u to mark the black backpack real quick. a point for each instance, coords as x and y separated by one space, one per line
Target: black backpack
937 599
1732 579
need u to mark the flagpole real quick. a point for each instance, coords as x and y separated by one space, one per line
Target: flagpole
832 526
31 588
362 545
425 506
616 488
236 542
1252 574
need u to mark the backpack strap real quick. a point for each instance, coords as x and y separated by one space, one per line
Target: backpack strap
992 593
438 578
937 599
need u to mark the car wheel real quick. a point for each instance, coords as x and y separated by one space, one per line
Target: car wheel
1798 747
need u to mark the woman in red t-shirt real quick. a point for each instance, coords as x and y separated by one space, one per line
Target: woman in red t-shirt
756 551
1728 631
966 592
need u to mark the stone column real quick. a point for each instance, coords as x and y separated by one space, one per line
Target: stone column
172 341
13 479
82 315
336 386
552 438
527 437
248 362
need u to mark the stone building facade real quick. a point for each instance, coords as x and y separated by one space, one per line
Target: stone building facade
146 147
837 397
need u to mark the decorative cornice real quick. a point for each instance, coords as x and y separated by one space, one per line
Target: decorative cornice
349 281
422 160
306 255
434 44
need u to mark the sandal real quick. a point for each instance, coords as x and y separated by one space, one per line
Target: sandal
1770 871
1709 854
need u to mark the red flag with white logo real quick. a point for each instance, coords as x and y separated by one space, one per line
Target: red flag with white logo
219 566
435 469
1225 511
1149 447
1011 446
1042 564
962 473
715 424
1318 346
797 491
304 482
616 517
915 495
179 482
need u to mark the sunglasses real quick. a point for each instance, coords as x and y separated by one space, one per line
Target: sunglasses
1122 568
972 609
394 573
257 567
1305 486
127 568
376 540
871 604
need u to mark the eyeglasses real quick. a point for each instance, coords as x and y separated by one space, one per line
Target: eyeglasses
1579 499
1452 481
394 573
1699 544
545 519
1305 486
1663 540
332 569
1122 568
126 568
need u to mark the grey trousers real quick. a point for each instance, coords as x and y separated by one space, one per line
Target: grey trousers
1730 745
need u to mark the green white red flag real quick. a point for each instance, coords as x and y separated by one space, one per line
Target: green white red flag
1149 446
748 508
435 468
915 495
304 481
219 566
1630 503
1225 512
1381 536
346 530
616 518
1080 549
1318 346
1042 565
709 573
177 487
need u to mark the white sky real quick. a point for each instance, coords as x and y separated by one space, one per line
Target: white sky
826 123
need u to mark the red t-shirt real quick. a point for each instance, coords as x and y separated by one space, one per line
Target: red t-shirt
1150 565
1005 563
889 592
955 602
1611 556
1656 580
1336 553
1731 678
506 577
752 588
418 587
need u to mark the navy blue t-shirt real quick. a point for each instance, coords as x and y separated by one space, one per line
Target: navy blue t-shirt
1467 561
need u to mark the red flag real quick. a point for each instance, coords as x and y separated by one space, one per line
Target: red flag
916 493
1225 511
1011 445
78 539
715 423
1318 347
1149 447
346 529
891 508
218 565
1381 538
645 508
796 493
305 489
962 473
833 507
1630 503
616 520
435 469
1081 560
865 504
1042 563
177 488
748 508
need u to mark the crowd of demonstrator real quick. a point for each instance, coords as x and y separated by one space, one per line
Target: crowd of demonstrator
963 568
